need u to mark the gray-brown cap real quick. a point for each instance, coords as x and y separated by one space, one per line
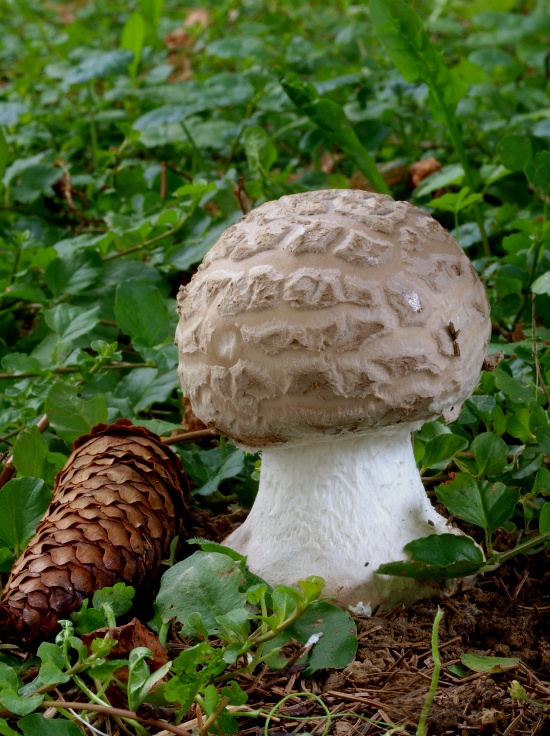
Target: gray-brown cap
330 312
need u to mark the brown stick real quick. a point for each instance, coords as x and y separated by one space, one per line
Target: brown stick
120 712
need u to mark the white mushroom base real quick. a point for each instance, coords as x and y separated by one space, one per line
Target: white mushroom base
339 509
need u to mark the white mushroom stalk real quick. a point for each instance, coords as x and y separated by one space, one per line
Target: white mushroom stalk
339 509
323 316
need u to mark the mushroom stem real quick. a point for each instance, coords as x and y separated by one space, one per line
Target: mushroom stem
339 509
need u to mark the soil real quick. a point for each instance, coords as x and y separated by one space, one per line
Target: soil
506 614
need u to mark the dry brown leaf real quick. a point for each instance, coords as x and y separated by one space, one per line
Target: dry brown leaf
419 170
117 504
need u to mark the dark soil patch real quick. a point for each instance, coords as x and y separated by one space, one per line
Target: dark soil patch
507 614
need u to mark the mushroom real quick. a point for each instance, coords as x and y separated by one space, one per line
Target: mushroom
324 328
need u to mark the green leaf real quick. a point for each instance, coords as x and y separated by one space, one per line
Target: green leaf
71 322
5 729
21 363
37 725
8 677
72 416
538 171
229 468
208 583
336 645
483 663
490 453
331 118
132 38
441 448
51 674
233 691
407 44
152 10
7 558
30 451
438 557
74 274
487 505
515 151
141 313
4 153
544 520
542 284
120 598
51 653
260 150
98 65
23 502
19 704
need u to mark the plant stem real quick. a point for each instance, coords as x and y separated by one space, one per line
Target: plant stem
70 369
421 729
109 711
213 717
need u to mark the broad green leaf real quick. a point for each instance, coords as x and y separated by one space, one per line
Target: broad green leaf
100 64
438 557
6 730
337 643
515 151
141 313
74 274
490 453
21 363
30 451
132 39
538 171
23 502
208 583
441 448
484 504
542 284
71 322
50 674
8 677
70 415
19 704
37 725
10 112
7 559
230 467
483 663
119 597
48 652
514 391
233 691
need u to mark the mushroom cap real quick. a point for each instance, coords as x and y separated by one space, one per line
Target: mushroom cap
327 313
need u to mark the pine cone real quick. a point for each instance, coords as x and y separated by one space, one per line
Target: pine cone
117 504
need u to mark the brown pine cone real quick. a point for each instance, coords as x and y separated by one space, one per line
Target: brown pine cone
117 504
